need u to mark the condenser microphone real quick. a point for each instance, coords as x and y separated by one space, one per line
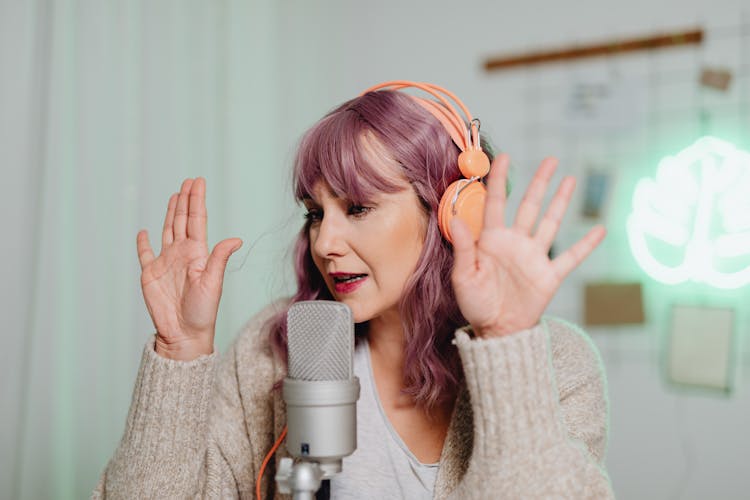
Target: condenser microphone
320 392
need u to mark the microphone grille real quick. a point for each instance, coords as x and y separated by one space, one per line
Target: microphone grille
320 340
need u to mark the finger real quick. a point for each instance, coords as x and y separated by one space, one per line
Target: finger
219 257
532 201
196 222
145 253
464 248
167 236
569 260
550 223
494 209
180 215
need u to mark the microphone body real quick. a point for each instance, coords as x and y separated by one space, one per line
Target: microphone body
321 419
320 393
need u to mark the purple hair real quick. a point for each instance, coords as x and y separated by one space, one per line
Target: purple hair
332 150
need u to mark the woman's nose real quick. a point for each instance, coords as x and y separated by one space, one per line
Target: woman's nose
329 239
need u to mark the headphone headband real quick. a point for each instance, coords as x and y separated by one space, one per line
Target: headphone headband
465 136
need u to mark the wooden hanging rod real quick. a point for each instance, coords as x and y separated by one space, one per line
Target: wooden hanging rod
692 37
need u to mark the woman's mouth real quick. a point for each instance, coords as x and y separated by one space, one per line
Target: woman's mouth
347 283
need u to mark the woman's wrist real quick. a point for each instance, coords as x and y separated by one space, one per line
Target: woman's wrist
184 350
492 331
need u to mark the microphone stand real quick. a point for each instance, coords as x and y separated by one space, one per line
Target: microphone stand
303 479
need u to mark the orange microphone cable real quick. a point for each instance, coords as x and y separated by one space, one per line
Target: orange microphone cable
268 459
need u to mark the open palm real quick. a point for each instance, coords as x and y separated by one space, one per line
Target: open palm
182 286
504 281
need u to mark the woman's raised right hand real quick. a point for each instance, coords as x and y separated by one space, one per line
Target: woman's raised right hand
182 286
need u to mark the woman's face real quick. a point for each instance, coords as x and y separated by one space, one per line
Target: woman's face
366 253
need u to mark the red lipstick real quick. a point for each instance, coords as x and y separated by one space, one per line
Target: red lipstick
347 282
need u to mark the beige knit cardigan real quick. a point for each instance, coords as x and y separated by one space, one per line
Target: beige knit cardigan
530 422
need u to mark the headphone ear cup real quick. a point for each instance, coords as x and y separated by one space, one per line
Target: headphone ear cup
473 163
469 207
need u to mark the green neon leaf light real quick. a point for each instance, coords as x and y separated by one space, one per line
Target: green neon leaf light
691 222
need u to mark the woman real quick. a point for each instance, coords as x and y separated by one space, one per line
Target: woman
516 408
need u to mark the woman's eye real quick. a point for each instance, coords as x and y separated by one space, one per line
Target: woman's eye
358 210
313 215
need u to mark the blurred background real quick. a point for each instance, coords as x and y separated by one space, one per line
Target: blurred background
105 106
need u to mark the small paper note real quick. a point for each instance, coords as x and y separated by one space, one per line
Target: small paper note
700 347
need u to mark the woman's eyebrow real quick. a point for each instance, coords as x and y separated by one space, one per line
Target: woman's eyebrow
308 198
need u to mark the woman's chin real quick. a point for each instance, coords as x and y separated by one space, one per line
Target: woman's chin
358 315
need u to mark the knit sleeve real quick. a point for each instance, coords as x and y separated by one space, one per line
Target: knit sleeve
540 415
192 431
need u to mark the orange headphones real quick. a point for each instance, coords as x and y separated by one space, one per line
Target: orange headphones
465 197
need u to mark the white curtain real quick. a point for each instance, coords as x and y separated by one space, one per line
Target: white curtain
104 108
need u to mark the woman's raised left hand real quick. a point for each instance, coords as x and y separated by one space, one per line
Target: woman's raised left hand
504 281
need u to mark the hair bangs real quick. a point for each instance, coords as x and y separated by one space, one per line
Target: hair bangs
339 151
